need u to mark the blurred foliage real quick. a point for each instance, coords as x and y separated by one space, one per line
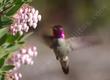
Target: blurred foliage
75 13
9 43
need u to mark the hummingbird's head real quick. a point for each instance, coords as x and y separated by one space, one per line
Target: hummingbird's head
58 31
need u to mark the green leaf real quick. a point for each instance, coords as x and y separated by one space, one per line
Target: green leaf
27 1
7 68
2 61
4 20
2 52
3 31
1 7
5 45
18 1
12 48
13 40
15 7
6 56
4 1
10 39
2 77
3 39
1 1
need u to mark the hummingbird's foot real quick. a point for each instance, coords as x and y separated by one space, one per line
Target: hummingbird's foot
65 58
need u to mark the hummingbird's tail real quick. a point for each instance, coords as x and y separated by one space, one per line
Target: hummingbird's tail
65 69
65 65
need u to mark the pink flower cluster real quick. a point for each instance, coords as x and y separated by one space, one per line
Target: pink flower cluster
24 19
13 76
25 56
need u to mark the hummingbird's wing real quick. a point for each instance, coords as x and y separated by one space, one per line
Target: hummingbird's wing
82 42
47 39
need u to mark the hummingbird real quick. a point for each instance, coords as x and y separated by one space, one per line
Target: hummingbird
62 47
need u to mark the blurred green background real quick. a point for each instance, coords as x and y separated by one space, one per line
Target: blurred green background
79 17
74 14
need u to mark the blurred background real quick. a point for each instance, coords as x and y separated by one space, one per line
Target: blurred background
74 14
79 18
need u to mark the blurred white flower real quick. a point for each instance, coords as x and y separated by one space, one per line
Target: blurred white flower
25 18
13 76
24 56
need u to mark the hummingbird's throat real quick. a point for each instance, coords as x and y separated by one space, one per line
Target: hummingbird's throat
62 35
59 34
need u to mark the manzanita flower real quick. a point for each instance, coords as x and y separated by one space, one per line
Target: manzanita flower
25 18
13 76
24 56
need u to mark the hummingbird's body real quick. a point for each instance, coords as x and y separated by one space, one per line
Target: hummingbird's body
60 48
